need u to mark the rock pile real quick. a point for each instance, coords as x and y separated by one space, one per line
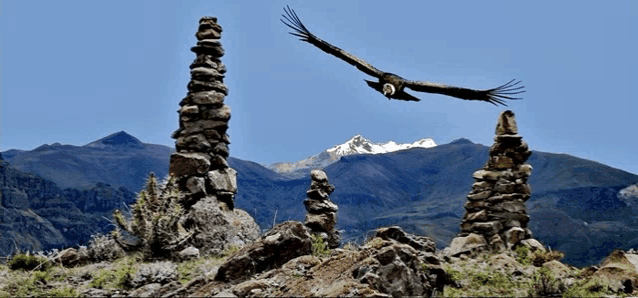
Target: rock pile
201 140
207 183
495 210
322 212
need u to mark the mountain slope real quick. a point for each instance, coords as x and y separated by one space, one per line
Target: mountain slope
423 190
118 159
579 206
35 214
356 145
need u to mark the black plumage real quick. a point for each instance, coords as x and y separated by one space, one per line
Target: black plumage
393 86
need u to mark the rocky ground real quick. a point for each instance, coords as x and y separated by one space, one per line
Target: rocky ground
290 261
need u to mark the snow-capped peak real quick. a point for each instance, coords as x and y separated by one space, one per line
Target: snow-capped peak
360 145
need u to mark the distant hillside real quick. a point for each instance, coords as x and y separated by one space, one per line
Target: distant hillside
35 214
118 159
575 204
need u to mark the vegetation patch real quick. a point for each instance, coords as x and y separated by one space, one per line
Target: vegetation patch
29 262
319 246
119 277
523 255
544 284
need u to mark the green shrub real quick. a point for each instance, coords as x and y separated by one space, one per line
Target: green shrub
63 292
319 246
29 262
594 287
155 221
523 255
120 277
545 285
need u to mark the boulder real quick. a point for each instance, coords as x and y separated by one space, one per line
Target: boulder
281 244
188 253
196 186
316 206
158 272
380 268
533 244
203 60
148 290
188 164
196 86
222 180
215 230
72 257
506 123
205 73
395 233
221 114
514 235
208 97
465 245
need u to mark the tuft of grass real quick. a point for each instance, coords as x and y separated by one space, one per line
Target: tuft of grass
594 287
29 262
118 278
230 251
63 292
453 274
523 255
319 246
544 284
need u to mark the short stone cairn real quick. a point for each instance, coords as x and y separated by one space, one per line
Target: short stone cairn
496 216
322 212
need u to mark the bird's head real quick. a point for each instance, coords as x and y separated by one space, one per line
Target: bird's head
388 90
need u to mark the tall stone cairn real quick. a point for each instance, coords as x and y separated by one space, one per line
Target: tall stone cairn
201 140
322 212
495 208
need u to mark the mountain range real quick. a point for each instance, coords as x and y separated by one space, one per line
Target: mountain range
578 206
356 145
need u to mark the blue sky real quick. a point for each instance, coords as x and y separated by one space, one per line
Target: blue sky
75 71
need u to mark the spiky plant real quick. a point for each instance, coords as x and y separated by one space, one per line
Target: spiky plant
155 221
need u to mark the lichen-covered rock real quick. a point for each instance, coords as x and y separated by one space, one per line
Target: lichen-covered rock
188 164
158 272
380 268
216 228
395 233
466 245
281 244
223 180
188 253
72 257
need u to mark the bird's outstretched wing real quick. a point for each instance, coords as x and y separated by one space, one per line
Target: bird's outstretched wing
302 32
494 96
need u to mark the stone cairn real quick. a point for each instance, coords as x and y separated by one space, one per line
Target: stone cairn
495 209
322 212
201 141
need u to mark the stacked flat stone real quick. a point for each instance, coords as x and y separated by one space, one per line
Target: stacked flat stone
322 212
495 208
200 163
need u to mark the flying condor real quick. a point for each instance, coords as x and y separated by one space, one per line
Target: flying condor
393 86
